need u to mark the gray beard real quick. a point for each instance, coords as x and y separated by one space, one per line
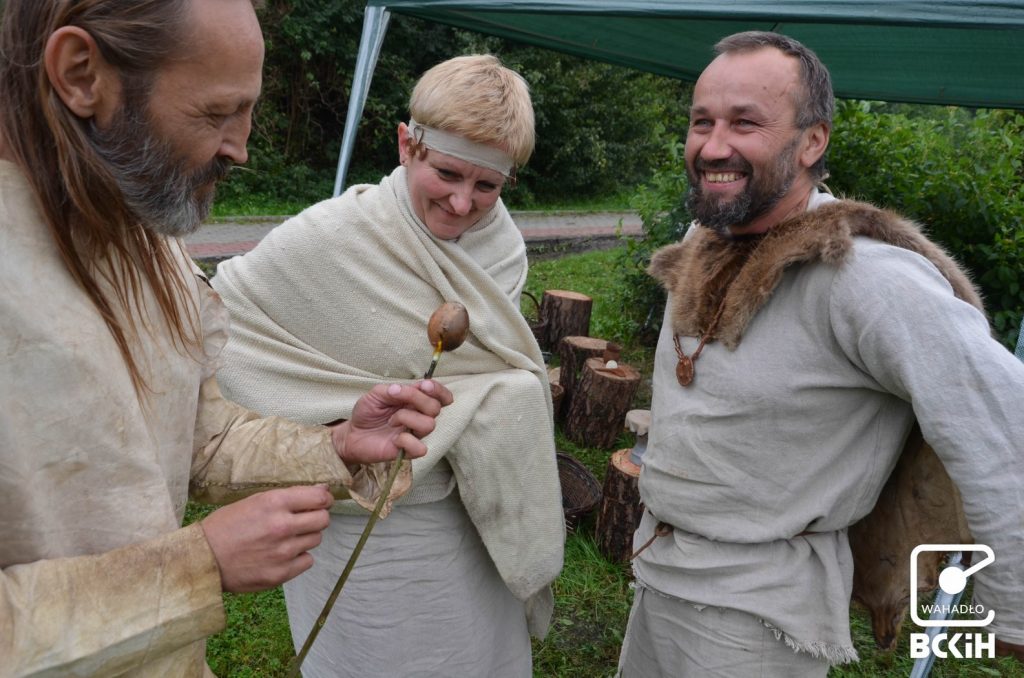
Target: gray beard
157 189
718 216
760 195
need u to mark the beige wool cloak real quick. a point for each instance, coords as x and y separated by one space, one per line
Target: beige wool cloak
337 299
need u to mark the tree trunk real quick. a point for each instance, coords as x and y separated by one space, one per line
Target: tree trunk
600 401
572 353
621 508
565 314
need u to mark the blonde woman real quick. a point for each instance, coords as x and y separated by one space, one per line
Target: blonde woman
455 579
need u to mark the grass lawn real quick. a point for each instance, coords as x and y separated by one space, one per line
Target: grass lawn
592 596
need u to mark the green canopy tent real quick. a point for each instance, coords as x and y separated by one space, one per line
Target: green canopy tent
968 53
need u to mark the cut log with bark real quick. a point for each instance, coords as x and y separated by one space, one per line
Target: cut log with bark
600 400
572 353
556 390
557 393
565 314
621 508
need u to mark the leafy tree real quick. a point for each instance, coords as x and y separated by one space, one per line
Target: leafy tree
958 172
598 126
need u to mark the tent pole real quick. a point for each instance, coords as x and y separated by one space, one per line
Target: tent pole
375 25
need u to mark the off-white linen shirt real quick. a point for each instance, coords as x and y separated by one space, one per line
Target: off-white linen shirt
97 576
799 427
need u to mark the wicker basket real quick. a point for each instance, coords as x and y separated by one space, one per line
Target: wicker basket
540 326
580 490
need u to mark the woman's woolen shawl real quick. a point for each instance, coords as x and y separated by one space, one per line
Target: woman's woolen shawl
337 299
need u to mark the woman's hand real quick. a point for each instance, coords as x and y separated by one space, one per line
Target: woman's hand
389 418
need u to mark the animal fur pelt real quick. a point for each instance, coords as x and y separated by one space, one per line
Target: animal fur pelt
919 503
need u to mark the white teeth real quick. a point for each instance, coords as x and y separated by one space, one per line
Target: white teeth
722 177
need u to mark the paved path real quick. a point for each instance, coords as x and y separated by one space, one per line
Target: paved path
221 239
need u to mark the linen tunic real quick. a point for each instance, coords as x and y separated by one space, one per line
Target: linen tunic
97 576
798 428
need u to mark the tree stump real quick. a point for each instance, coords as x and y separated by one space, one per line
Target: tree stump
564 314
600 400
572 353
557 393
621 508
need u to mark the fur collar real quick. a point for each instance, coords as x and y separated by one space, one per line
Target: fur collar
698 269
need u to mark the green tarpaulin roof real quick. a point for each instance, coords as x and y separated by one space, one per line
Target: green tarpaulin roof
940 51
934 52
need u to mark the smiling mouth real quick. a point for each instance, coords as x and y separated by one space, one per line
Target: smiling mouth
722 177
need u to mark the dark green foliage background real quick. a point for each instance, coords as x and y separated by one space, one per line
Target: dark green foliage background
598 126
602 131
958 172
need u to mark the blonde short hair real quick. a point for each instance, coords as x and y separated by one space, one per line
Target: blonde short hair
477 97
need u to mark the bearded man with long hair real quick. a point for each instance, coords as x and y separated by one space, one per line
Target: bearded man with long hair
117 119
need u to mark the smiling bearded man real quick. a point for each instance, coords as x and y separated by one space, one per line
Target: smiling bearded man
765 188
802 337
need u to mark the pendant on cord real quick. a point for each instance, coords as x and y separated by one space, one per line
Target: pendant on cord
684 370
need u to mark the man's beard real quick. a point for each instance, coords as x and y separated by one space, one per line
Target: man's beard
763 191
157 188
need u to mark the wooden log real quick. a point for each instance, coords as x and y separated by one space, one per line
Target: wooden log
564 314
572 353
621 508
601 399
557 393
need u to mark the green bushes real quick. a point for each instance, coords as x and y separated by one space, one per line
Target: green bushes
598 126
661 204
297 128
958 172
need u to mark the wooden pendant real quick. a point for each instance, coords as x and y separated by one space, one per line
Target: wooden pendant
684 370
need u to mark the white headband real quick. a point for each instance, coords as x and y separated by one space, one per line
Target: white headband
462 148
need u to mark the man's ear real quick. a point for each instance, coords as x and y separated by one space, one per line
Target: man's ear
815 143
87 84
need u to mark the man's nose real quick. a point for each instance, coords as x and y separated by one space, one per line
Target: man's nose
716 145
236 136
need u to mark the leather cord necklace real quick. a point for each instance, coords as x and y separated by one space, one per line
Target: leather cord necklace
684 369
